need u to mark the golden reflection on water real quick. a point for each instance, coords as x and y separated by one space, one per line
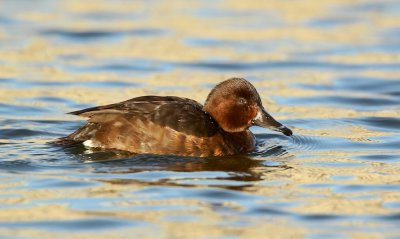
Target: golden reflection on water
303 175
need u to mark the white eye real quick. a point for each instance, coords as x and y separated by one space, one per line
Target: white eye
242 101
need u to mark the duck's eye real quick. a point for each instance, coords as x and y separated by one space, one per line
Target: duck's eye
242 101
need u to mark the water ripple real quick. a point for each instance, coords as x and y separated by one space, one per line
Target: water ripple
336 177
381 123
23 133
304 142
95 34
359 84
76 224
7 110
259 65
353 102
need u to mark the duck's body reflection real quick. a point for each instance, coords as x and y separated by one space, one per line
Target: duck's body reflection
240 169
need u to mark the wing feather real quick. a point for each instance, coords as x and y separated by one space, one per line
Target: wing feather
181 114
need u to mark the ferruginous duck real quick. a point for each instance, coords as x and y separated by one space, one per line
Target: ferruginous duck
170 125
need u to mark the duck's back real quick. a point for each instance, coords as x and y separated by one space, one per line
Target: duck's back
156 125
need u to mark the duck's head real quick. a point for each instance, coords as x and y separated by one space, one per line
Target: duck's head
236 105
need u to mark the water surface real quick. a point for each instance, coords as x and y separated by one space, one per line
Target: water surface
330 70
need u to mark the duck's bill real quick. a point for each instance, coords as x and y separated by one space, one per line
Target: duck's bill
265 120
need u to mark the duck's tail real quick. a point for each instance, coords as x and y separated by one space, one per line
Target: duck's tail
84 133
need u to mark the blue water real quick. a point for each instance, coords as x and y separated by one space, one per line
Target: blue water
330 71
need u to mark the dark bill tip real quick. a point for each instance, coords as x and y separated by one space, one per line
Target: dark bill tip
265 120
285 130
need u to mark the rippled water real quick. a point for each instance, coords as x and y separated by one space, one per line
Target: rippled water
329 69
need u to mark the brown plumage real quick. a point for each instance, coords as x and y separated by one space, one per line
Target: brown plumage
178 126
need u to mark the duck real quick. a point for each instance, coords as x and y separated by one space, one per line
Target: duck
171 125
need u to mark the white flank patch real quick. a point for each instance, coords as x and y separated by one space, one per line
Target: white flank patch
88 143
